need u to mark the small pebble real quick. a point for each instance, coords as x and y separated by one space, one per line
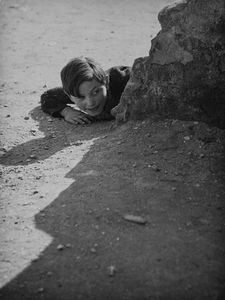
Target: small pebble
78 143
154 167
111 271
60 247
33 132
26 118
157 169
135 219
187 138
41 290
35 259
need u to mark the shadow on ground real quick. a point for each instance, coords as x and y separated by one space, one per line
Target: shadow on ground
156 170
57 135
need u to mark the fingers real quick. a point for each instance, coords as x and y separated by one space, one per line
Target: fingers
76 117
81 120
85 119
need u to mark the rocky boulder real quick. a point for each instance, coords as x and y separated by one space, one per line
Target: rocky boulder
184 75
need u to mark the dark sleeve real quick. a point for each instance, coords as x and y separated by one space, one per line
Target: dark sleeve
118 78
54 100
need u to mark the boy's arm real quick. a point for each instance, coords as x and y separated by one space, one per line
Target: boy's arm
74 116
54 101
118 78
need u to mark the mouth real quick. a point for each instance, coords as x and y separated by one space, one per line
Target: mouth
95 108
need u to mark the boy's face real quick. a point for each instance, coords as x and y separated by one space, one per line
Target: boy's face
93 95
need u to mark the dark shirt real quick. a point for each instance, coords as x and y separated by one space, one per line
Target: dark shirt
55 100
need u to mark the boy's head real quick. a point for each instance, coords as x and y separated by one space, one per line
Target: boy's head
85 82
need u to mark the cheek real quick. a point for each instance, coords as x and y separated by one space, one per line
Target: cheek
80 104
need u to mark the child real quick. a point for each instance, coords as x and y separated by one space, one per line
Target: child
94 91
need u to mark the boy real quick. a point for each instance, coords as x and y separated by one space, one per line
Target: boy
94 91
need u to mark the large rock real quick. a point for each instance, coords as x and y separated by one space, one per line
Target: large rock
184 75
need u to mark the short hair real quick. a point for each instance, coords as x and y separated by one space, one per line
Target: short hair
78 70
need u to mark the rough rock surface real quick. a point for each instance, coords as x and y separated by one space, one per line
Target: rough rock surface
184 74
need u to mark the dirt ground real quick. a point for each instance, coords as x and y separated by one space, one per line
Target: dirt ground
66 190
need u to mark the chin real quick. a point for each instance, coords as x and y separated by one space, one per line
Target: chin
94 113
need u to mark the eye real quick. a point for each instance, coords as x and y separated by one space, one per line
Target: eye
95 92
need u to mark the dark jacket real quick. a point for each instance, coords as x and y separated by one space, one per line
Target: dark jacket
55 100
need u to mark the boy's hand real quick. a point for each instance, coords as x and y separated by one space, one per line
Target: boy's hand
75 116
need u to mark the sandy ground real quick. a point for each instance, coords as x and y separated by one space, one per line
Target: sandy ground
66 190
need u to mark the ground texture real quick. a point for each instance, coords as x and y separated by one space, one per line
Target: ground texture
73 197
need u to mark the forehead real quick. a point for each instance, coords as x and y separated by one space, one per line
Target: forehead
87 86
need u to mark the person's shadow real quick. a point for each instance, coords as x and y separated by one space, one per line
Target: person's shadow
58 135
